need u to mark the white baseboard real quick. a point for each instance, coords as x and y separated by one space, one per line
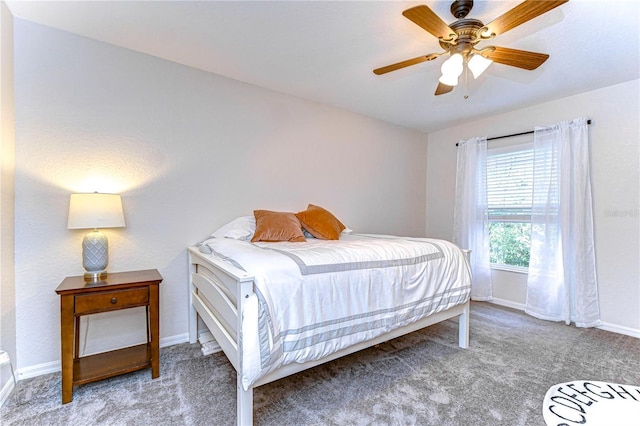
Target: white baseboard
56 366
38 370
614 328
508 304
174 340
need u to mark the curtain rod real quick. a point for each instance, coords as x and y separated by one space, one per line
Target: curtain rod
516 134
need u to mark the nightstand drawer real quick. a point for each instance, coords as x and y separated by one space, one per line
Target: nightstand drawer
107 301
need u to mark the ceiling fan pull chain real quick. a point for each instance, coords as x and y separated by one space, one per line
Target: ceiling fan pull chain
466 81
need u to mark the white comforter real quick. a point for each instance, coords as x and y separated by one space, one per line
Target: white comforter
312 299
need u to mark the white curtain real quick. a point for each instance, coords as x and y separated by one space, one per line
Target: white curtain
471 214
562 284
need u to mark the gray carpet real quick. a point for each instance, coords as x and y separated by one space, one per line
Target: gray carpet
420 379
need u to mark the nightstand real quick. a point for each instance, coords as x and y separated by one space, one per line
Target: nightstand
120 290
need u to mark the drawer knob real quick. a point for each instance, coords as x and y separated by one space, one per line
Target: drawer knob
114 300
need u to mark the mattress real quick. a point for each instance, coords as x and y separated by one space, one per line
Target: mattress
317 297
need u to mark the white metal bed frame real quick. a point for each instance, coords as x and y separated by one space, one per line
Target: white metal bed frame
217 291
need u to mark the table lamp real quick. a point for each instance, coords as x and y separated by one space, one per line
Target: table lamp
93 211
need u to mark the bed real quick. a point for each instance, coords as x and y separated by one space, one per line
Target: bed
279 307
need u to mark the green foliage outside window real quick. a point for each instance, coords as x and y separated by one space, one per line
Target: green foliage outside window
509 243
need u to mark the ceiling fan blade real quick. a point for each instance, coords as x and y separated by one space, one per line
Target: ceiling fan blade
515 58
442 89
408 62
429 21
520 14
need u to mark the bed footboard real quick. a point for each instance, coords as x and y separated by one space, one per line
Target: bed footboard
216 293
217 290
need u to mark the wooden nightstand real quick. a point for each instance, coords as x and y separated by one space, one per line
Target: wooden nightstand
121 290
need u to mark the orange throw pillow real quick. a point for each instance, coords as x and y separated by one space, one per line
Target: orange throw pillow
277 226
320 223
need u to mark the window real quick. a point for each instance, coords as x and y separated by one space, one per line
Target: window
509 195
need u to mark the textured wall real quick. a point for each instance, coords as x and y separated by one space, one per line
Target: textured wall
615 175
7 163
188 151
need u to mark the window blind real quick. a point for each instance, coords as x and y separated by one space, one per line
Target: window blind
510 183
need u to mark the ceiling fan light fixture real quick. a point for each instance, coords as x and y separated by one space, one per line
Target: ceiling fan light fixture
453 67
478 64
460 38
448 79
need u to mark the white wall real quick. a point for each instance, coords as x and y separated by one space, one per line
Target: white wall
615 173
188 151
7 157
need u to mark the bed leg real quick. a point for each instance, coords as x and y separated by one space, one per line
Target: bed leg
193 314
193 324
244 404
463 327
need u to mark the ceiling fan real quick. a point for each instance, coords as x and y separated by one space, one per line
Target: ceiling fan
460 38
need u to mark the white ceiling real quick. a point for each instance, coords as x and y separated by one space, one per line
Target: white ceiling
326 51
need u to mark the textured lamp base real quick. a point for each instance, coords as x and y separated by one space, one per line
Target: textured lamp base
95 256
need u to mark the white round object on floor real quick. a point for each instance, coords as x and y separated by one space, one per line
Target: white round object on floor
592 403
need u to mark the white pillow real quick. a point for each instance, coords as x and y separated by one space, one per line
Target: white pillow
241 228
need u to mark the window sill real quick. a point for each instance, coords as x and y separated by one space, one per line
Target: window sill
510 268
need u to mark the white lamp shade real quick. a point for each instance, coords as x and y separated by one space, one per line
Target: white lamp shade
95 210
478 64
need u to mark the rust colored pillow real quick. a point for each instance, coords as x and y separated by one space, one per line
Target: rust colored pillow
320 223
277 226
